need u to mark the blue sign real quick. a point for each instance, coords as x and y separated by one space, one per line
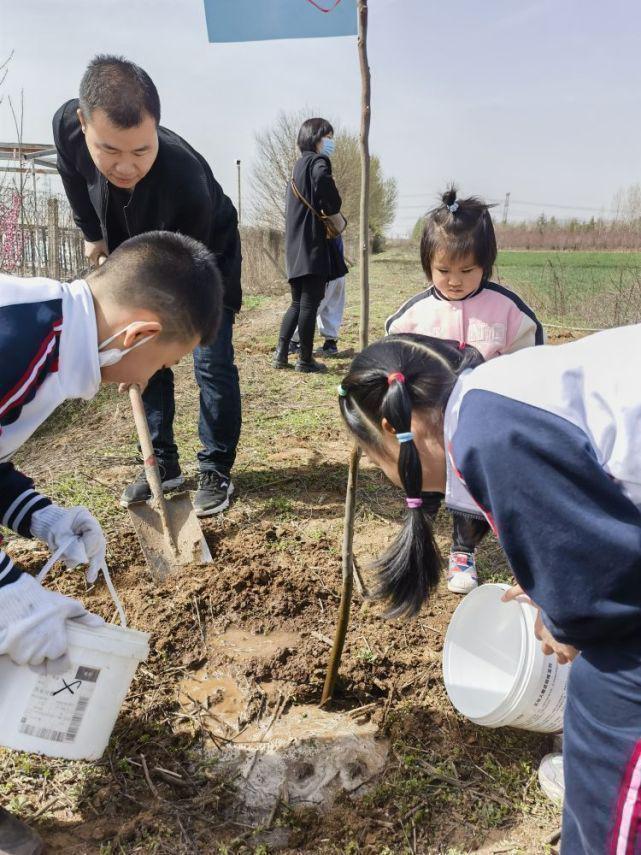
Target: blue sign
259 20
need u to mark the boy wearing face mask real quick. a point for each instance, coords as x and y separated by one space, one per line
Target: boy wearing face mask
151 303
155 298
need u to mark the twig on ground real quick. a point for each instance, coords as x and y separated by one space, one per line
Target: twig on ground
274 810
361 587
150 783
188 841
45 808
281 703
388 703
200 622
90 477
280 706
323 638
412 811
553 838
383 823
171 777
573 329
360 711
431 628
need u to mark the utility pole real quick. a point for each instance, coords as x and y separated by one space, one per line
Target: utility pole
506 207
239 198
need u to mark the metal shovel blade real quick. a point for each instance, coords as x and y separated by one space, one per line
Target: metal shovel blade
160 555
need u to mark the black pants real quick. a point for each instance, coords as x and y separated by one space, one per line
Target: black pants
307 293
220 406
467 532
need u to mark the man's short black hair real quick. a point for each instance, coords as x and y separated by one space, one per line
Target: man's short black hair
174 275
119 87
312 132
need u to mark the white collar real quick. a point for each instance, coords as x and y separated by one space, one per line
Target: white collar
457 496
79 369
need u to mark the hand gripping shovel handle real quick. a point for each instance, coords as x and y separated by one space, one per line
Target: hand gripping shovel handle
151 464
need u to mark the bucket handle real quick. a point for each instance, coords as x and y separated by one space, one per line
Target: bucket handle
110 586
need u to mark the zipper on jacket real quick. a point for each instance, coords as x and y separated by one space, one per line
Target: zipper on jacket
124 210
104 192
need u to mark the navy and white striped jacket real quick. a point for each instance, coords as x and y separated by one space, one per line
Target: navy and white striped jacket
48 353
546 443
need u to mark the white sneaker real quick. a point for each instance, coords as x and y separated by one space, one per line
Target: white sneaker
551 777
461 573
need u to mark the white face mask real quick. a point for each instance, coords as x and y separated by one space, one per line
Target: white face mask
115 354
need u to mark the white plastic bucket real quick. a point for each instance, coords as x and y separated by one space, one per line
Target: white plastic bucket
495 672
71 714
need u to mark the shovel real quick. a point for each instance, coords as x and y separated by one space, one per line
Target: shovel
167 527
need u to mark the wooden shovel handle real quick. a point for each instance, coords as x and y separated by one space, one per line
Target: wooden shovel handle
151 464
149 456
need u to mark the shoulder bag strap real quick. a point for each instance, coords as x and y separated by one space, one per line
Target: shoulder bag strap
302 199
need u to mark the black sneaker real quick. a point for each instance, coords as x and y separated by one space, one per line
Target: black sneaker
213 494
329 348
309 366
294 346
139 490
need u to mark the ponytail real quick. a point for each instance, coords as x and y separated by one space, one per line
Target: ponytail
389 380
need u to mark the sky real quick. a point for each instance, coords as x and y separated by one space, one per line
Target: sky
538 98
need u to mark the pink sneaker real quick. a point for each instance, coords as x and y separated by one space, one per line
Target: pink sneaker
461 573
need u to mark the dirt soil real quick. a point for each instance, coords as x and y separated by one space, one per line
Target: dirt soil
450 787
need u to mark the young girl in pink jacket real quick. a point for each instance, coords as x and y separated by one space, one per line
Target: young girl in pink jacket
458 252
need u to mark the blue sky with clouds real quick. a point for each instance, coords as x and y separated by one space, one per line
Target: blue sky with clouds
537 98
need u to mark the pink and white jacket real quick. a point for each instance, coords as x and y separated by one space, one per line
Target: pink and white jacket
493 319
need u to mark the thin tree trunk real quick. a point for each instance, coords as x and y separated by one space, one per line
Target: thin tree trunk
352 482
366 114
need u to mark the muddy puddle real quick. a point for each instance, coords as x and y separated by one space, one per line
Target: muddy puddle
283 751
219 694
238 644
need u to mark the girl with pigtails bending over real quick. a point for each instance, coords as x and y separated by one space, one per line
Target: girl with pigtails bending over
545 443
458 253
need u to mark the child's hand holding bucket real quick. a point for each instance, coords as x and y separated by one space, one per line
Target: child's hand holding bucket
549 645
33 621
77 532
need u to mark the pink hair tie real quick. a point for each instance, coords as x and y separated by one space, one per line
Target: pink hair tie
414 503
395 375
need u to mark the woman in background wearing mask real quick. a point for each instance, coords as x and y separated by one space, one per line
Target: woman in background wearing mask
310 260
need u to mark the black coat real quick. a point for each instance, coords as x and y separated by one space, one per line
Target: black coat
307 249
178 194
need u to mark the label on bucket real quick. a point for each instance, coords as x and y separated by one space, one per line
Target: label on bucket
546 712
57 704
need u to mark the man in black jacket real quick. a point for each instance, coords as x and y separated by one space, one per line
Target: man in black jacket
124 174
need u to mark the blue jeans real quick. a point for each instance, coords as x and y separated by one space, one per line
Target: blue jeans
602 751
220 410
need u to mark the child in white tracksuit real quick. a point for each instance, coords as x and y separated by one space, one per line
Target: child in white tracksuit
458 251
547 443
155 298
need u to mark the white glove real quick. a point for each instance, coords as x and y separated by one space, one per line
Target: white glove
57 525
32 621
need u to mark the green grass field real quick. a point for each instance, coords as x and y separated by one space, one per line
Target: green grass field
586 289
